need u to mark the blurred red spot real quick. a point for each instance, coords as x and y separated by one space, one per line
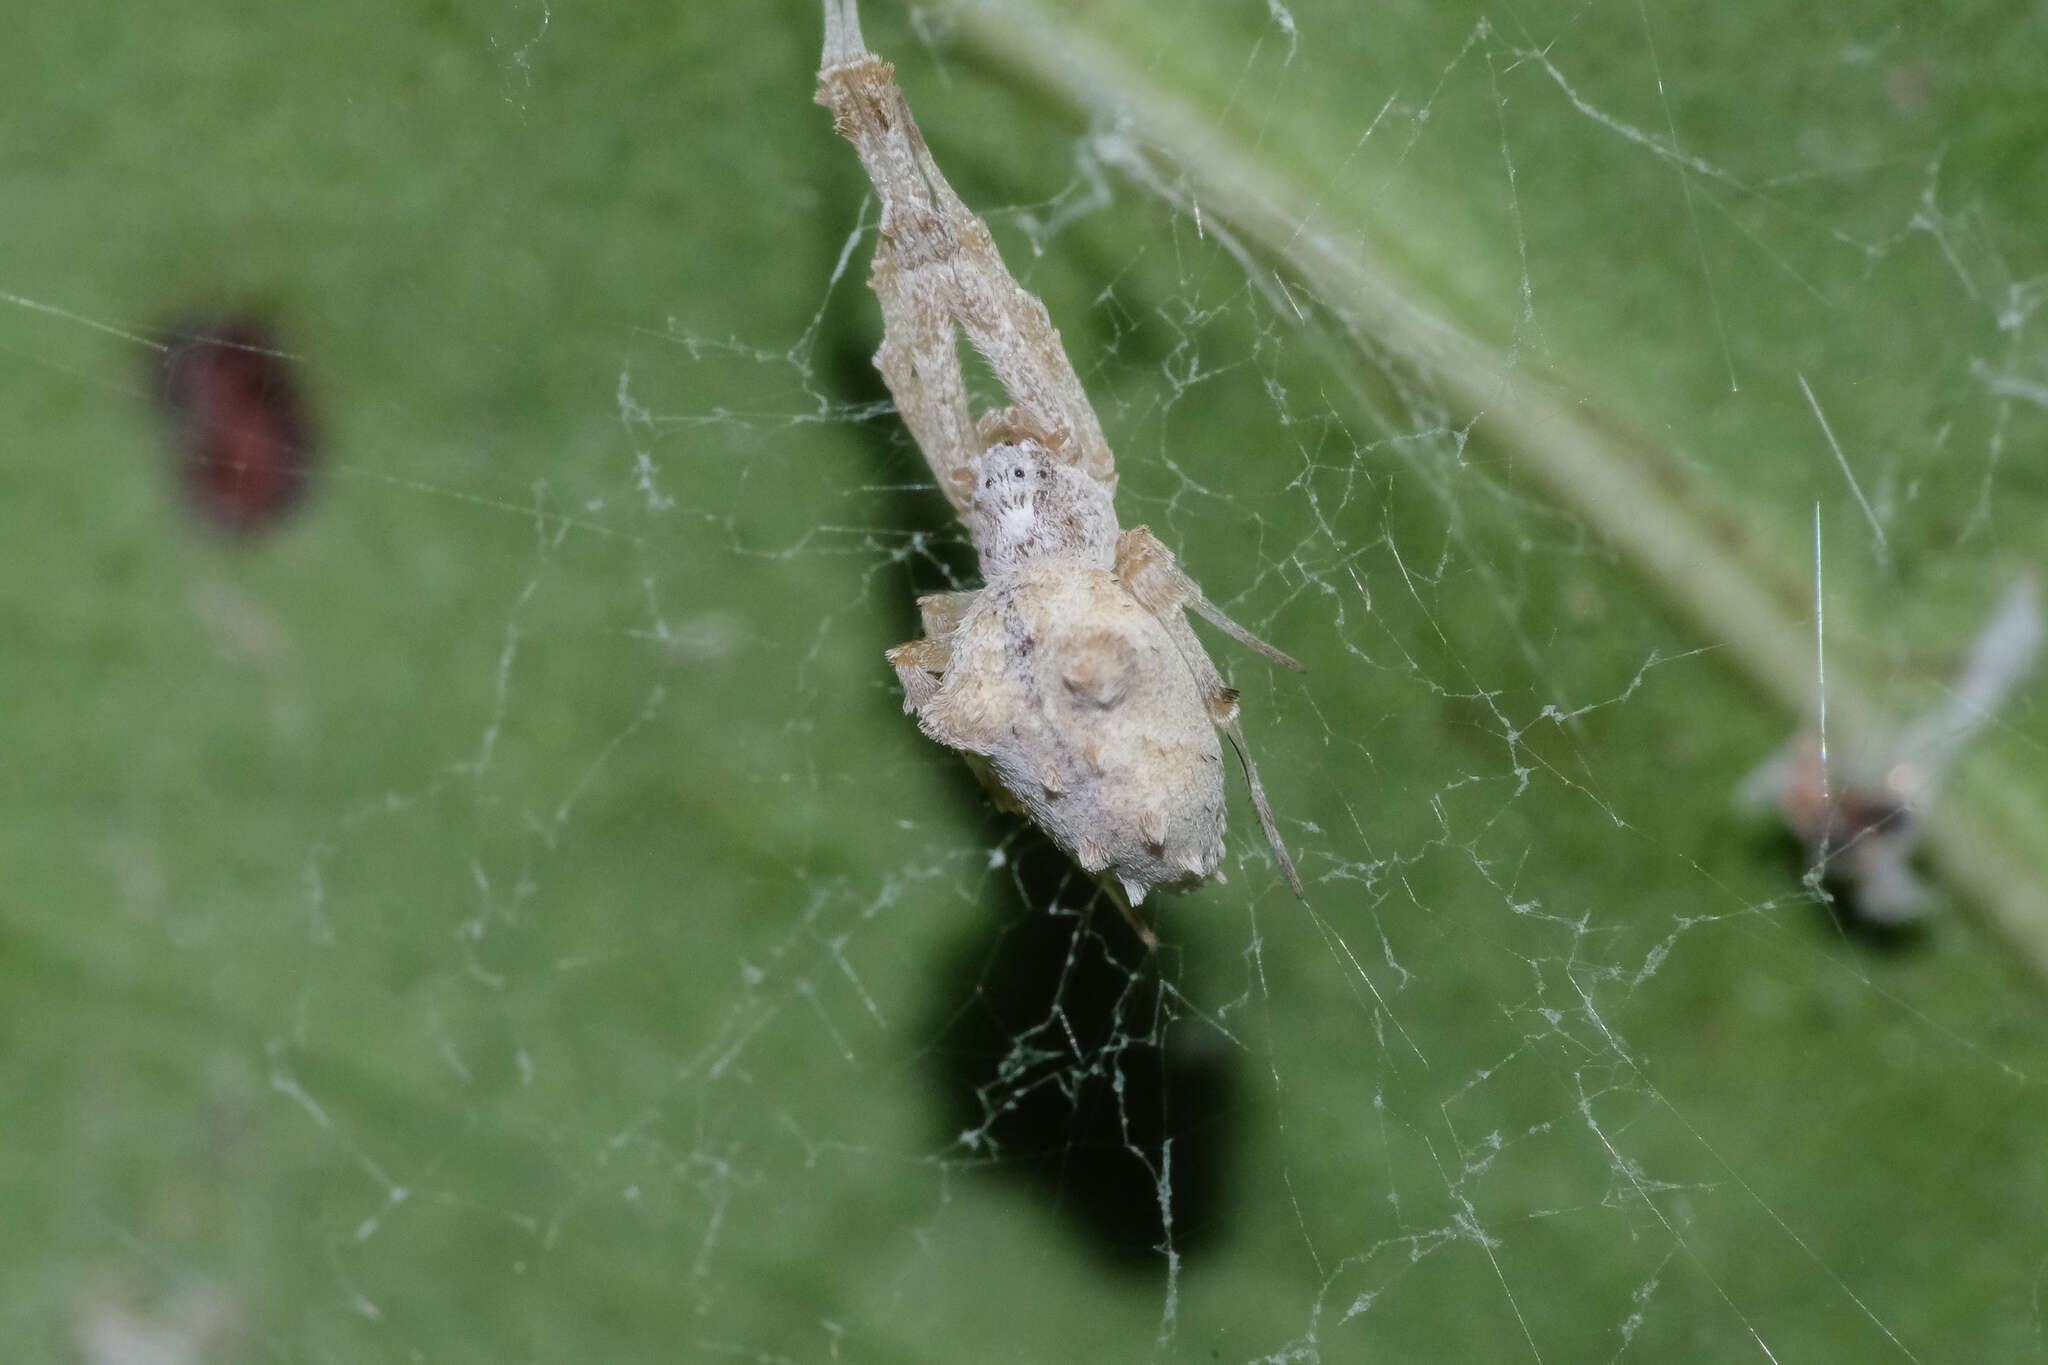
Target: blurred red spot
243 443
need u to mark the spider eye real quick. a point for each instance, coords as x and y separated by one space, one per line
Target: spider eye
1017 472
1045 473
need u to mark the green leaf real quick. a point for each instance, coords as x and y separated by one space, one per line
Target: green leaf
501 912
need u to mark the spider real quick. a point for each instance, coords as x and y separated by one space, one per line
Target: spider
1071 680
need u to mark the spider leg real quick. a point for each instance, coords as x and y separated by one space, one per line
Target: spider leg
921 664
843 42
941 611
1148 569
937 272
920 362
1011 329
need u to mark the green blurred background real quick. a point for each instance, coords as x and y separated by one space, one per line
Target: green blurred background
501 914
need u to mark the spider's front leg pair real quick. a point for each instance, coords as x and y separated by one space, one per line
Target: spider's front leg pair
937 274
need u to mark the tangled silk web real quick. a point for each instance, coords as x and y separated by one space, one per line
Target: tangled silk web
1562 1058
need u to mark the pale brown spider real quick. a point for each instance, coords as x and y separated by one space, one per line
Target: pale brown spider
1071 681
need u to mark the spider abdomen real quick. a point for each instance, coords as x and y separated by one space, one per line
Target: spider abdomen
1087 716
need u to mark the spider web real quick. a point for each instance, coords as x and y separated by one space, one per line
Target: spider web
576 954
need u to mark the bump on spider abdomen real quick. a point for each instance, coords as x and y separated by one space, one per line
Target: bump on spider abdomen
1097 666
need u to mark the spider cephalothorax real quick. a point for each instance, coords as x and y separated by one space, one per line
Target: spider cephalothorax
1071 679
1027 505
